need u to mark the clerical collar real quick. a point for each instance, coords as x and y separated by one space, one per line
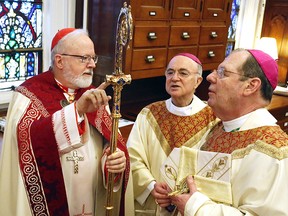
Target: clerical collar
189 110
70 94
235 124
180 111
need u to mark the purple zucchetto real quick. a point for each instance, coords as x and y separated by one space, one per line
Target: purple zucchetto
191 56
268 65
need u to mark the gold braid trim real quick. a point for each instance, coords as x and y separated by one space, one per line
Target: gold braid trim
227 142
265 148
174 131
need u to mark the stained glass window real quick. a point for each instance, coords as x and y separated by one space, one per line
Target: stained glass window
232 27
20 41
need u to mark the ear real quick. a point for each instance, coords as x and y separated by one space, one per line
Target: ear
252 86
198 81
58 61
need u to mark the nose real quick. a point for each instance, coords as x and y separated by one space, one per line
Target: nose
91 64
175 76
212 77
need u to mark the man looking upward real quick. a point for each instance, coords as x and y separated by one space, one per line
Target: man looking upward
256 182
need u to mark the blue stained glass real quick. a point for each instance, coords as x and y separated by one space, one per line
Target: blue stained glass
19 21
234 19
232 27
30 65
229 48
20 39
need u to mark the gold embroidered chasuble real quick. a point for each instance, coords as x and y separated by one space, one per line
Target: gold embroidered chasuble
220 141
155 133
258 174
175 131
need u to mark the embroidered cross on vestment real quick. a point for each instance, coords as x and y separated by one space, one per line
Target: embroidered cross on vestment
75 158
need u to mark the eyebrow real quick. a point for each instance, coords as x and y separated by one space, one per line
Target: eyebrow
180 69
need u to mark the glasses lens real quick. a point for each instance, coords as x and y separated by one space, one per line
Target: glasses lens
87 59
220 73
95 59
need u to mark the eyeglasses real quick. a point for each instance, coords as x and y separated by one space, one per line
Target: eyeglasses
85 58
181 73
221 72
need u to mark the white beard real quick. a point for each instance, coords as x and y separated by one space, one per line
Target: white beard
81 81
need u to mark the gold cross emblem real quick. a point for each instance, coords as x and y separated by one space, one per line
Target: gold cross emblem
75 158
71 97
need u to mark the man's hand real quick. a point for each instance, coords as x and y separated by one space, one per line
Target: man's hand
92 99
116 162
160 194
181 200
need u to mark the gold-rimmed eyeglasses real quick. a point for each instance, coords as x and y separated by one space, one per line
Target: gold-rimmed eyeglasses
221 72
84 59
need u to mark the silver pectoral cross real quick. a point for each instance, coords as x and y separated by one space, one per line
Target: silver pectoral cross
75 158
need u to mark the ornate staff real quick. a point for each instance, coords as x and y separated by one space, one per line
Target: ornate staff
118 79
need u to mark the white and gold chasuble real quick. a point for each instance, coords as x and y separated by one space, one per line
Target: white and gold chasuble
159 128
256 176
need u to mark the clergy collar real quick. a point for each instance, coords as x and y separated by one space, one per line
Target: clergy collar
70 94
235 124
191 109
64 88
180 111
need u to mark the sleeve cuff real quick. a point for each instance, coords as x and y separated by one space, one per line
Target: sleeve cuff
194 203
143 197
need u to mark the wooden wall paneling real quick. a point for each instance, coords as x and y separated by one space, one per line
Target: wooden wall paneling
102 23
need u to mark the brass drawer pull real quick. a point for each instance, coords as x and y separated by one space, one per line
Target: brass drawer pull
211 54
150 59
185 35
152 36
286 114
215 15
213 34
186 14
285 124
152 13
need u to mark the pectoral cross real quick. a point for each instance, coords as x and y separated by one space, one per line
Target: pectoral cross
75 158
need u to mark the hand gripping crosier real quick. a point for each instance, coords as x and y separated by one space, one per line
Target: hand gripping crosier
118 79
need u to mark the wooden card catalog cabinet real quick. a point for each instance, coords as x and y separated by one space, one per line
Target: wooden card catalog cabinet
163 28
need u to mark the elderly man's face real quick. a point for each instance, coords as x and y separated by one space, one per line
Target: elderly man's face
182 79
76 72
